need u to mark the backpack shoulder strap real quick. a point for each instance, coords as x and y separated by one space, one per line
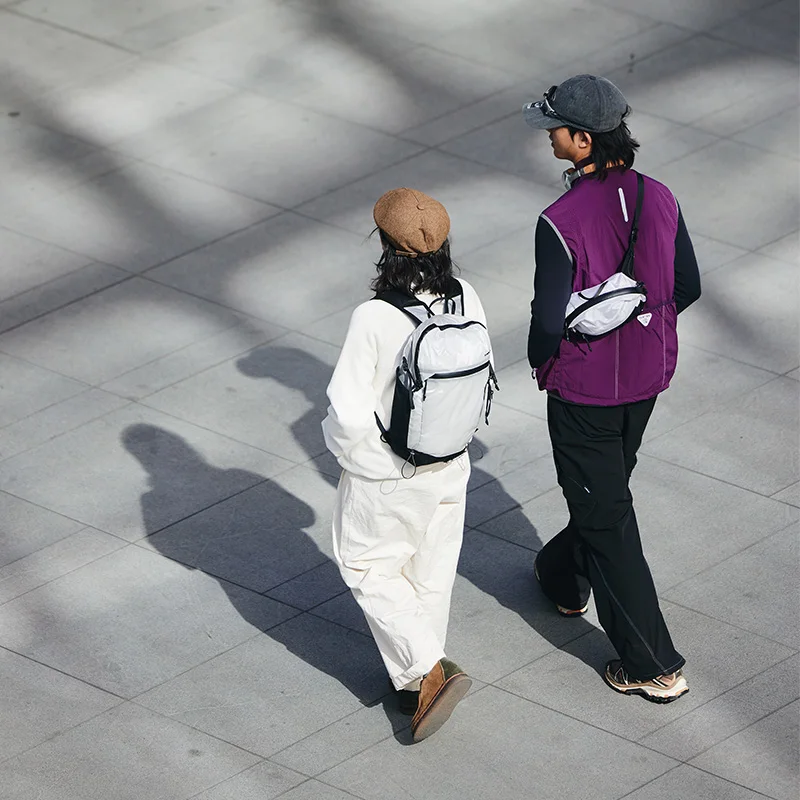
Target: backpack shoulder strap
414 309
454 297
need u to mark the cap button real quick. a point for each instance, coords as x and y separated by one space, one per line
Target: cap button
420 206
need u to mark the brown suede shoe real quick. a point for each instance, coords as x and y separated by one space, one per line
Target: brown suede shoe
441 690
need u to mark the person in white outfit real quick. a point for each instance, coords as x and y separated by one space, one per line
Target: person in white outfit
397 529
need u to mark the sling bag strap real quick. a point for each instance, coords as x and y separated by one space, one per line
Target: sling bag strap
627 265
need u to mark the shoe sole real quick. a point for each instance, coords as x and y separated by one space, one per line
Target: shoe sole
653 698
441 707
565 612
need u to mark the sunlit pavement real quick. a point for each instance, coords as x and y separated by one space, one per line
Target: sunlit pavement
185 199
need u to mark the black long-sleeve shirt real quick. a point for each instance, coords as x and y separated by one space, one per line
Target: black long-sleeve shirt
552 287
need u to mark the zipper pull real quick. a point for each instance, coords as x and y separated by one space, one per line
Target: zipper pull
493 378
489 396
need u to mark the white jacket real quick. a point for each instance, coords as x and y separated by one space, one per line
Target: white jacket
363 384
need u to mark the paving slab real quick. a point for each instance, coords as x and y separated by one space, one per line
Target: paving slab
312 588
49 563
750 589
62 57
137 27
467 762
194 359
347 737
277 688
262 537
27 388
412 86
713 72
685 781
132 620
688 522
150 321
750 441
125 752
763 757
506 200
273 155
786 248
693 15
769 102
265 781
272 397
702 383
771 29
500 621
28 527
491 498
718 657
278 258
791 495
744 320
59 292
712 254
146 95
253 49
732 218
62 417
417 20
714 722
28 263
153 469
504 39
138 215
39 703
314 790
775 134
23 140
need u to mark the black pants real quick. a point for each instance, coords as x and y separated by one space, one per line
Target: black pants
595 452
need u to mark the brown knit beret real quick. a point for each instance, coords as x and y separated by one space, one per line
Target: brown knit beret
414 222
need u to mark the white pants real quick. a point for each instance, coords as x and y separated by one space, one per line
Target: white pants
397 544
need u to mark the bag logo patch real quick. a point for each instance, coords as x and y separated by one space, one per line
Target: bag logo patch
645 319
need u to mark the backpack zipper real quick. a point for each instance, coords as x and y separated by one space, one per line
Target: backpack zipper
462 373
460 325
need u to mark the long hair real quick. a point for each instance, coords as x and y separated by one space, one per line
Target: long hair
616 147
429 272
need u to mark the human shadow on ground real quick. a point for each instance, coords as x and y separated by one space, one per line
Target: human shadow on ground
499 568
250 543
298 370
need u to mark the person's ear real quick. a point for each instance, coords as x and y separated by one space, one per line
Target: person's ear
584 140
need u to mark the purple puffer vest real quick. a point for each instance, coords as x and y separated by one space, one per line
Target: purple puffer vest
636 361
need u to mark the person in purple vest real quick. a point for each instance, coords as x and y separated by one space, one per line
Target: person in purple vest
602 390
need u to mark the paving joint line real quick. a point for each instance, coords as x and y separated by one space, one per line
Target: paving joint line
720 696
706 570
633 742
643 452
14 9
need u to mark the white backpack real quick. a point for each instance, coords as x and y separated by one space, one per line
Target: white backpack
444 382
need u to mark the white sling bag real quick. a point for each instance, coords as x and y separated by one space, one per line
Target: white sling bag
610 304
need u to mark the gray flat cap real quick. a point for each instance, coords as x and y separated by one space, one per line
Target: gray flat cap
585 102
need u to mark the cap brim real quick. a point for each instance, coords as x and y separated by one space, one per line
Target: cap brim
532 113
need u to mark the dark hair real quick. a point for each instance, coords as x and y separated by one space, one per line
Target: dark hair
429 272
614 147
